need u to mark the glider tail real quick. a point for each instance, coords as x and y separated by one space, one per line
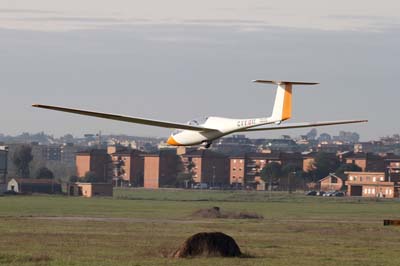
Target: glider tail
283 100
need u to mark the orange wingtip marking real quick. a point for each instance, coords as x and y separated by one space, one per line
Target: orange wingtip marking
172 141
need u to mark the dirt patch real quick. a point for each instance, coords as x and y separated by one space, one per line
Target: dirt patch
215 212
214 244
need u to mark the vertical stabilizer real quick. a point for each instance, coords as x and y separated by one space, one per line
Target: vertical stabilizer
283 100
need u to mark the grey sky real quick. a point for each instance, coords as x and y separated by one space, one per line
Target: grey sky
180 63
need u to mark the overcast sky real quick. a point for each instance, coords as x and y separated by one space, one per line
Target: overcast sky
178 60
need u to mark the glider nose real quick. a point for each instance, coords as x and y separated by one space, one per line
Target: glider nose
172 141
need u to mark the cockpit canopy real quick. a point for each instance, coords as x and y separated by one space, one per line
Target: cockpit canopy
194 122
197 121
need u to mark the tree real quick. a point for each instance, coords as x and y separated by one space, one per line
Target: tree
21 159
324 164
185 174
347 167
290 168
73 179
272 170
312 134
44 173
90 177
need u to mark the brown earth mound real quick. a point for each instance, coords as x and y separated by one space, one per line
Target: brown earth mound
215 212
209 245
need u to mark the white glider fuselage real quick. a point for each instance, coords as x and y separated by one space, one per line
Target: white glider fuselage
222 126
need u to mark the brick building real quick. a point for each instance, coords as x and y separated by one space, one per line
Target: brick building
96 161
31 185
161 169
370 184
331 183
245 169
209 167
128 167
89 190
368 162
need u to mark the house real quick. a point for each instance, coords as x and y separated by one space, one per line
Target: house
370 184
331 183
89 190
31 185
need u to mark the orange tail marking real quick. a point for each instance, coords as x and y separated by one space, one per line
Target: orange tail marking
287 102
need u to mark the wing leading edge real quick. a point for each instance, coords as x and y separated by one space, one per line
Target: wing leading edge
306 124
136 120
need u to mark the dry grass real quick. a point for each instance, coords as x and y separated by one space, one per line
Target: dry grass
296 231
217 213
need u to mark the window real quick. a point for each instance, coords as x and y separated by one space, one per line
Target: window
355 178
240 169
241 161
234 169
374 179
365 191
368 178
373 191
234 161
382 178
350 178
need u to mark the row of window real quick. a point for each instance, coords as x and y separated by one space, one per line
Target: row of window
234 169
371 191
367 178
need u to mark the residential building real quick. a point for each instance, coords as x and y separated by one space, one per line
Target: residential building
128 167
370 184
331 183
30 185
68 152
246 168
209 167
89 190
161 169
96 161
368 162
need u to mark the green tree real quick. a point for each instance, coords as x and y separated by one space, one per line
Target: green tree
90 177
324 164
185 174
22 157
272 170
44 173
73 179
290 168
347 167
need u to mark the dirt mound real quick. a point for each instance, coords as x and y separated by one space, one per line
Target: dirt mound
209 245
215 212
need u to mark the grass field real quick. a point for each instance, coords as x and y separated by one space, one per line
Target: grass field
141 227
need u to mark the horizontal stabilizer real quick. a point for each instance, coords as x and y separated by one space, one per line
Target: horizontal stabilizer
282 82
306 124
136 120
